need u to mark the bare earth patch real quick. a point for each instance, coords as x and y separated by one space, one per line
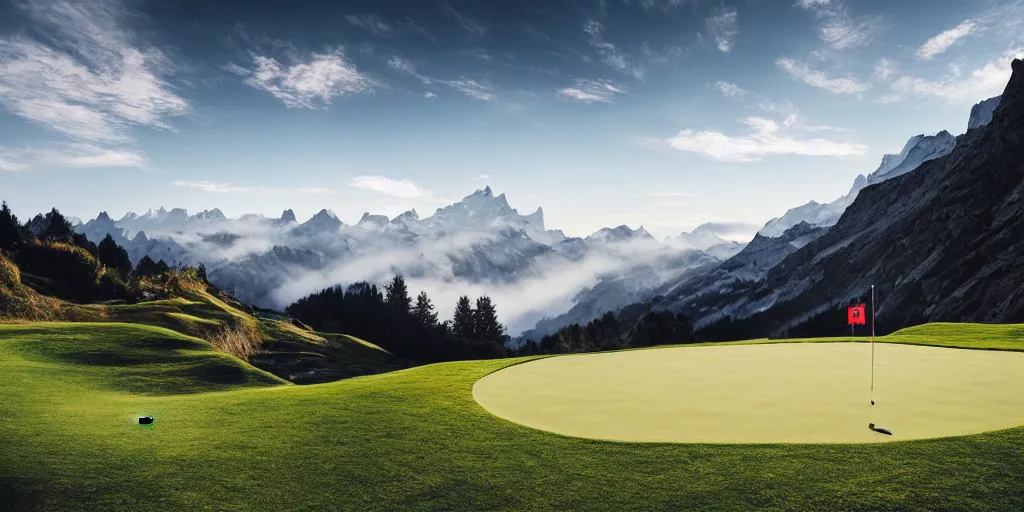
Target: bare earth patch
777 393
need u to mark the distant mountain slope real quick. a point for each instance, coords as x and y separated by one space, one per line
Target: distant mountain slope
943 243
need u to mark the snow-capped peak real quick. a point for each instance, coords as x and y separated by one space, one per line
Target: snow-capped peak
981 114
374 222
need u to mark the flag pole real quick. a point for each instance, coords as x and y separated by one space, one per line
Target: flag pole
872 344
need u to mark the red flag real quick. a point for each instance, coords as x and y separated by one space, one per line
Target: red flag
855 315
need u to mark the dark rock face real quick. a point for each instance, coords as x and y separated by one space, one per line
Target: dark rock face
942 243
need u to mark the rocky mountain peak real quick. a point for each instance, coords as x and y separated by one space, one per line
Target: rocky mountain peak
288 216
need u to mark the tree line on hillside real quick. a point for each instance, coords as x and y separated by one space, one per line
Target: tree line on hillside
56 260
408 329
636 325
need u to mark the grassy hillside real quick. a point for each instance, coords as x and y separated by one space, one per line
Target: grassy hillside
226 437
192 308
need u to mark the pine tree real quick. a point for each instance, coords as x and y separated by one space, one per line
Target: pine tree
57 227
114 256
10 230
424 311
397 294
485 321
147 267
462 320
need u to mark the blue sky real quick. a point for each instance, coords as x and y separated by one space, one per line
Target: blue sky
665 113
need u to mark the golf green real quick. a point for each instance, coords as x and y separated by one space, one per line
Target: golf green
789 393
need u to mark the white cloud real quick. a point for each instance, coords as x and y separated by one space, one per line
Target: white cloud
309 84
11 164
402 65
945 40
227 188
235 69
982 83
80 155
429 95
839 29
209 186
371 23
611 54
88 82
481 177
398 188
729 90
768 138
884 69
473 89
722 27
589 91
800 71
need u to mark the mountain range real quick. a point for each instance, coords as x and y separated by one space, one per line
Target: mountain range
543 279
478 243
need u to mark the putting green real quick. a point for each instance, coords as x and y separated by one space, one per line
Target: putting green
774 393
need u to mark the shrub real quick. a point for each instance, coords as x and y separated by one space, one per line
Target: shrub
72 267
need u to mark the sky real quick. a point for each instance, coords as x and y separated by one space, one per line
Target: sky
661 113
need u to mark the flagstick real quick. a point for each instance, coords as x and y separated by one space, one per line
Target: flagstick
872 344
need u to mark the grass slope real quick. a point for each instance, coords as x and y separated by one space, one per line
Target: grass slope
195 309
226 438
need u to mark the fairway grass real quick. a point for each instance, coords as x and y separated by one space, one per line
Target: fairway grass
230 437
790 393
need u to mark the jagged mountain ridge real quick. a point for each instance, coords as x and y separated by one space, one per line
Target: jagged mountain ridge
478 240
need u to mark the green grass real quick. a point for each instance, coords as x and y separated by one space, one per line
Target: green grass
227 438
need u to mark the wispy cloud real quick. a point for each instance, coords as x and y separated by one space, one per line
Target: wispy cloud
398 188
671 194
481 177
589 91
800 71
76 155
611 54
469 87
7 164
402 65
722 27
310 83
86 81
840 29
767 138
729 90
959 88
884 69
227 188
468 24
209 186
371 23
473 89
946 39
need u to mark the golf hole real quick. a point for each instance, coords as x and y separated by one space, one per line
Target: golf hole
773 393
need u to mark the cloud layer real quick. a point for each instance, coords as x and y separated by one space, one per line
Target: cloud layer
767 138
309 83
86 81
